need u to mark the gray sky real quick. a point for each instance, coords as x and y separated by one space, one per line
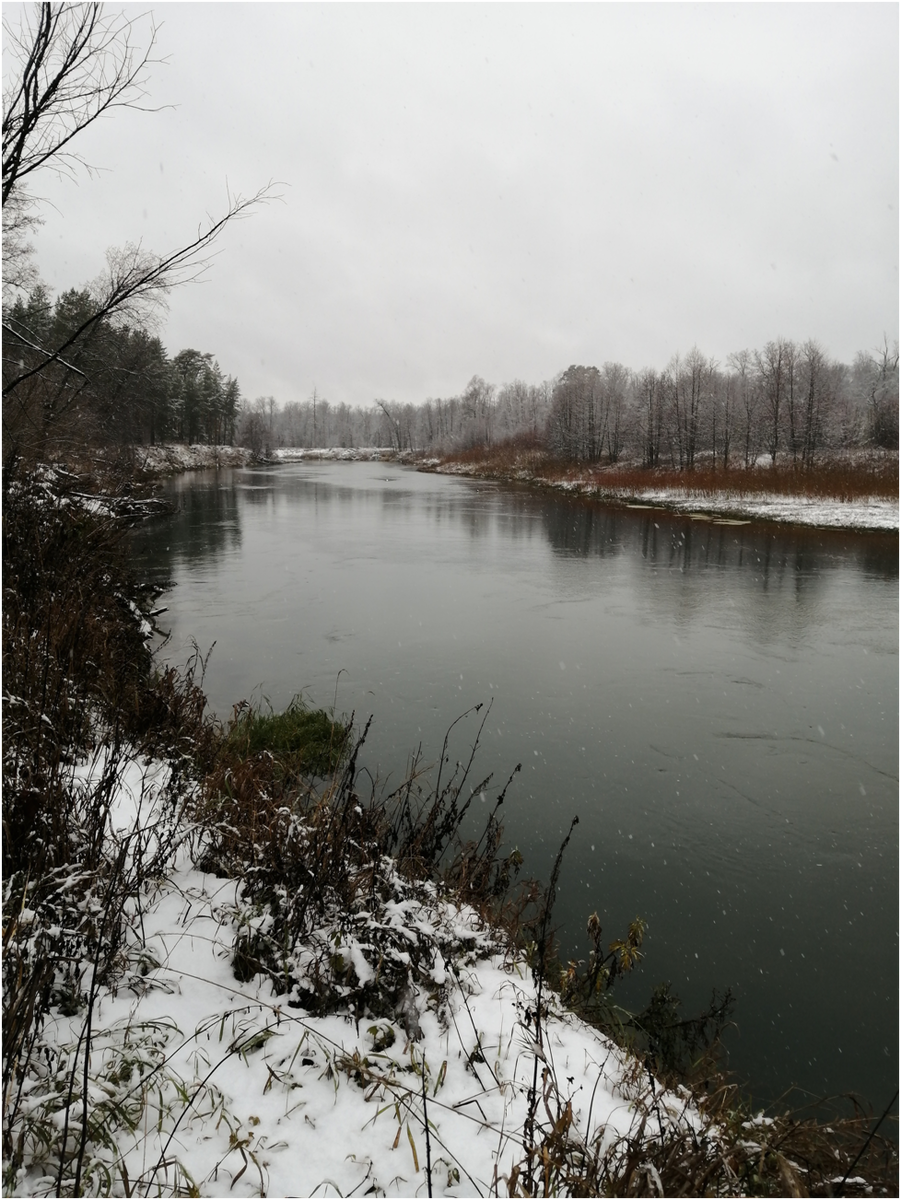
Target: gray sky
503 189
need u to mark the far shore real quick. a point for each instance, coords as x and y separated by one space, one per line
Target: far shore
728 506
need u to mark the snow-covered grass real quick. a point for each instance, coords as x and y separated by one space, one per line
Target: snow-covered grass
226 1079
188 1079
170 1075
792 510
164 1069
174 457
722 497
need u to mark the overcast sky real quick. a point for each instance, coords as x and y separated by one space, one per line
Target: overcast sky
503 189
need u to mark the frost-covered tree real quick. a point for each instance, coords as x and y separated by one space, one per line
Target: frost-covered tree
875 379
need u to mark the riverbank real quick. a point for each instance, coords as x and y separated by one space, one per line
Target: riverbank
207 1084
223 975
728 498
173 458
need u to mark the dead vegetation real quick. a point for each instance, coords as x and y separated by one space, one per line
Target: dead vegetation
861 475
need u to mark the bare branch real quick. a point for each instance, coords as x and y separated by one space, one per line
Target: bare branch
77 63
136 277
19 220
72 64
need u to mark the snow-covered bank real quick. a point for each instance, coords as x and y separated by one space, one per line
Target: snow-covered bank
336 454
186 1080
197 1081
725 508
174 457
315 1105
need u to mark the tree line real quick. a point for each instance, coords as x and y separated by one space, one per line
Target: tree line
788 400
116 384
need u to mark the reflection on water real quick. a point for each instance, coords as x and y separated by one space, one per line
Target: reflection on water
208 519
718 703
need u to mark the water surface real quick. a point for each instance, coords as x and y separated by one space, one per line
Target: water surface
717 703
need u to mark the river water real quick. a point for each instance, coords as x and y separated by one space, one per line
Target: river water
717 703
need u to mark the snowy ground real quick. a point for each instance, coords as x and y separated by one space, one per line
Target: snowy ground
790 510
230 1091
335 454
174 457
726 509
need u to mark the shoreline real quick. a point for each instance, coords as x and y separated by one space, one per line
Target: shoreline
872 516
875 516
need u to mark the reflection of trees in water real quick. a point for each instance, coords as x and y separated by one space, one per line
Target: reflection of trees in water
206 525
776 574
664 539
578 528
878 557
480 514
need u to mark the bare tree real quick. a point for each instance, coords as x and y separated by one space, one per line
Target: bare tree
517 409
771 372
75 63
649 401
615 380
882 395
815 380
679 407
19 221
393 426
477 402
793 403
742 364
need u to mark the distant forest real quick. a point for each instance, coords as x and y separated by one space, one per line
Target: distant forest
788 399
118 386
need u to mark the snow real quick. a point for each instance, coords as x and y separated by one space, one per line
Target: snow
723 509
229 1089
138 787
793 510
334 453
726 508
287 1081
174 457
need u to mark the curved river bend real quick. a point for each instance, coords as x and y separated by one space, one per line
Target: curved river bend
718 704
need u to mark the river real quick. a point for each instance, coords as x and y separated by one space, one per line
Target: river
717 703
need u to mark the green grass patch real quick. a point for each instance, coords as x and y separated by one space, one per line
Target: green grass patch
300 740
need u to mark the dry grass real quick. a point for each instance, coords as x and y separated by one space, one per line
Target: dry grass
860 476
728 1153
